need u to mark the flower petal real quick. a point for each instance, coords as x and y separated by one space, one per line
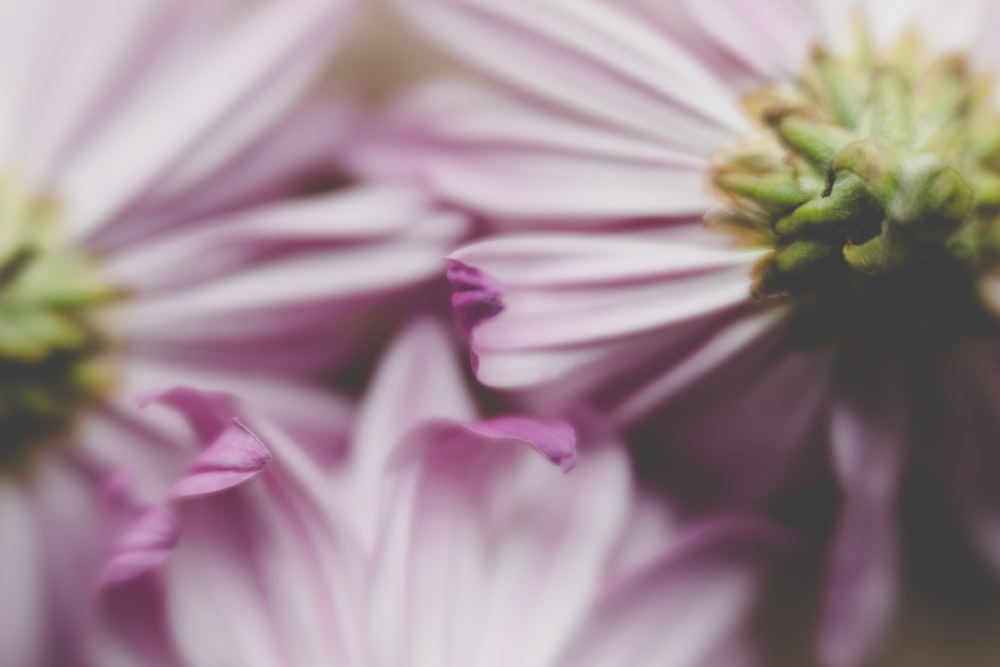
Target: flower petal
692 605
521 164
488 554
144 545
579 293
587 59
868 436
268 58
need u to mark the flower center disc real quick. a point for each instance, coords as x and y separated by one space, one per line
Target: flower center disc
876 185
50 349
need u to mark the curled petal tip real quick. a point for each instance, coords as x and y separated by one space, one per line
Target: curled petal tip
477 295
555 440
145 545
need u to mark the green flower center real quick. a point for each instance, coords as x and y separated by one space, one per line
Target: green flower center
51 349
875 182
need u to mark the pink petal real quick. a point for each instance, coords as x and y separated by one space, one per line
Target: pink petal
284 287
774 37
556 441
235 456
232 454
868 433
102 53
588 59
267 58
418 379
477 295
277 163
487 552
569 300
23 613
693 605
524 164
144 546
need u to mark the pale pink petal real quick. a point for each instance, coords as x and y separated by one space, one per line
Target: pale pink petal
267 59
513 161
418 379
29 32
314 415
145 545
489 554
577 293
590 59
282 160
105 51
868 437
692 606
218 246
263 572
292 285
55 531
23 616
773 37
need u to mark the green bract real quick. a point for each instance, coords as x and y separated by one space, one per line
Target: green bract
49 344
867 176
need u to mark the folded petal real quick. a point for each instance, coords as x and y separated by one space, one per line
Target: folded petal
260 571
540 306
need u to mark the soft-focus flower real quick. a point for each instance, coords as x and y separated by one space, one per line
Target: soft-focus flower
434 542
154 232
844 157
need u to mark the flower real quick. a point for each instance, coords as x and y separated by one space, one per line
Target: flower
758 234
155 232
435 542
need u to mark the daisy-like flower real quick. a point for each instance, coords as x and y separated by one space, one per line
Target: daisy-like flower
764 234
437 541
143 243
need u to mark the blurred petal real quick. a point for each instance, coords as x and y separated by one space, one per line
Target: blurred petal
691 606
513 161
590 60
868 437
268 58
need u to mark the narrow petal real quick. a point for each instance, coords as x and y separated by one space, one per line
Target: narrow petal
519 163
868 435
578 293
234 457
692 606
418 379
489 554
774 37
268 58
588 59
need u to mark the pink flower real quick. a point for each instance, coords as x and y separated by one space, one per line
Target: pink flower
435 542
846 279
154 233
